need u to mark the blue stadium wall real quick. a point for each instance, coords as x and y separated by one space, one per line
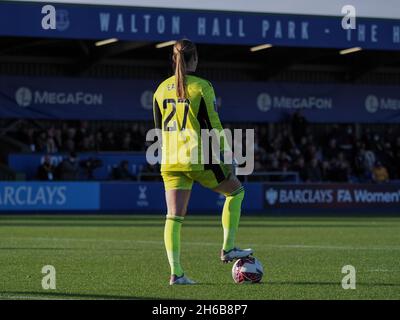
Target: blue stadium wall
140 198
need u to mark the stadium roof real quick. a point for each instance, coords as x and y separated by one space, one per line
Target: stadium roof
83 55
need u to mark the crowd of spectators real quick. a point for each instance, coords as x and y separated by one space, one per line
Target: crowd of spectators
337 155
69 137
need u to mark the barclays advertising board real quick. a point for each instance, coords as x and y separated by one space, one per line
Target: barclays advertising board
42 196
149 197
162 24
332 196
100 99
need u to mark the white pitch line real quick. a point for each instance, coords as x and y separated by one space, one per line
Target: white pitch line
383 270
195 243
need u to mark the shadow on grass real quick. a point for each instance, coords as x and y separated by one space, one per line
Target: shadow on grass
63 295
131 224
297 283
329 283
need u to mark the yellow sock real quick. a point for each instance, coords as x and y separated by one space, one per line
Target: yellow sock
231 217
172 240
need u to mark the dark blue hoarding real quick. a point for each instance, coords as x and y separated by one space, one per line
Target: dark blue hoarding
146 24
101 99
148 197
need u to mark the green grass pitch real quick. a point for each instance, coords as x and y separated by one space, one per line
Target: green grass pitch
118 257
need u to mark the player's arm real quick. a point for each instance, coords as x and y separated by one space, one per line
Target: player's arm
210 101
157 119
156 113
212 118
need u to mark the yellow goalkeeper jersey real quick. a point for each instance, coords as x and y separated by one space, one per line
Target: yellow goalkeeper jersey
181 122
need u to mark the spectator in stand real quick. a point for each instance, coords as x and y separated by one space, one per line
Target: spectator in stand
88 143
325 170
30 139
338 170
99 142
396 150
51 145
81 134
46 170
41 142
70 145
332 150
361 167
300 167
258 166
377 145
299 126
69 168
314 173
262 134
127 142
285 167
122 172
287 142
347 142
310 153
380 173
109 142
370 160
58 138
388 159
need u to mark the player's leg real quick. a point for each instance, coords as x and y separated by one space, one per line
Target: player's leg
177 194
221 179
233 191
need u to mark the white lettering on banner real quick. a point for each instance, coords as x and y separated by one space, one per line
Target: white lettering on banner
306 196
302 103
366 196
142 197
364 33
396 34
215 26
76 98
294 30
344 195
374 104
120 24
323 196
160 24
265 102
232 26
27 195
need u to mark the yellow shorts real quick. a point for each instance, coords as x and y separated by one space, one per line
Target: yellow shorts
210 178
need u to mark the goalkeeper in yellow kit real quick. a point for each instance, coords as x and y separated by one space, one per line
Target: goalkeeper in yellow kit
186 103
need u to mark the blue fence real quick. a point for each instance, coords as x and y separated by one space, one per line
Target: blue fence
135 197
29 163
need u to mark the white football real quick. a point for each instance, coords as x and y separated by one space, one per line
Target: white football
247 270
